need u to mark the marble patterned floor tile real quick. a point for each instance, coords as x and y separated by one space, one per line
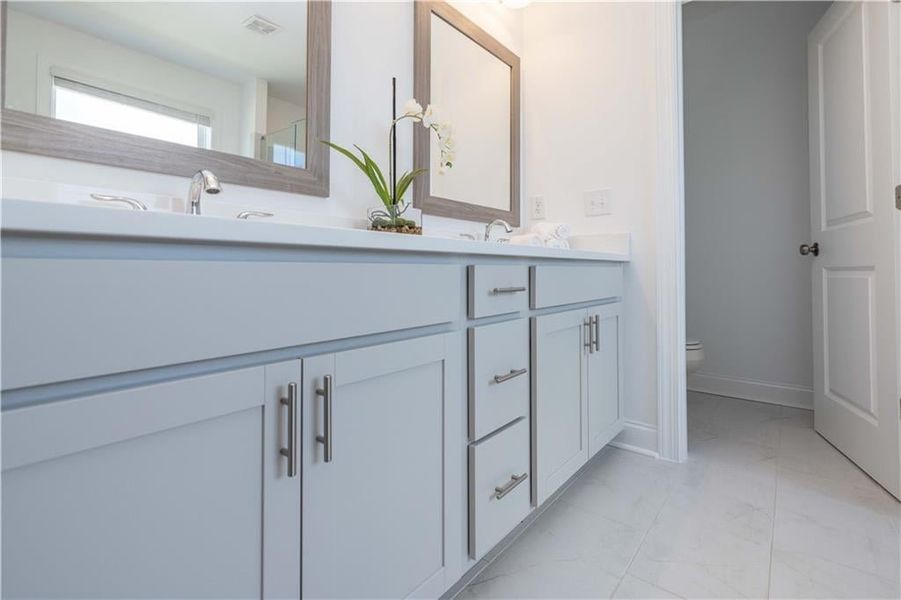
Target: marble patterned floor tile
712 537
741 420
729 453
570 531
623 487
564 578
833 523
806 452
797 575
633 588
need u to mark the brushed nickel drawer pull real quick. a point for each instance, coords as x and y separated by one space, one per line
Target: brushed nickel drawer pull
509 290
502 490
291 451
597 332
326 392
513 373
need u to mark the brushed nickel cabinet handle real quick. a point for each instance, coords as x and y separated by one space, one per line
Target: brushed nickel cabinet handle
508 290
589 342
596 321
513 373
502 490
291 451
326 392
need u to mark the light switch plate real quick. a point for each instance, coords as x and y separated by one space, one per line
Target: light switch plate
598 203
539 210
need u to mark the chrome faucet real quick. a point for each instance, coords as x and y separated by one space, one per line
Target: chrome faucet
491 225
203 181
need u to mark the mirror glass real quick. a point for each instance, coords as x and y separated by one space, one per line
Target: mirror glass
225 76
471 88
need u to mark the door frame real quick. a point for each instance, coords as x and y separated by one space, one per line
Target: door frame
669 226
669 209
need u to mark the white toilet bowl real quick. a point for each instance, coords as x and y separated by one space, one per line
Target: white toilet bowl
694 355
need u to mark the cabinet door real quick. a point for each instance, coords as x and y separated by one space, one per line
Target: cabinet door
559 412
605 410
376 490
156 491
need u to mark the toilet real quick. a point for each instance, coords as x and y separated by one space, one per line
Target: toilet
694 355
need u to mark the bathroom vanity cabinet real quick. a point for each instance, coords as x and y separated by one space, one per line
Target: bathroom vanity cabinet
576 401
275 411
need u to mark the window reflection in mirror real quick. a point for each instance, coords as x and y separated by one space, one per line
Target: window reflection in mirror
226 76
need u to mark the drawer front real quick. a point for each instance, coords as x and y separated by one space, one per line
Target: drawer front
497 290
555 285
498 486
237 307
498 375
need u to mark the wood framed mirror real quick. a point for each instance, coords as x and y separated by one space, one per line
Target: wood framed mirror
240 88
475 82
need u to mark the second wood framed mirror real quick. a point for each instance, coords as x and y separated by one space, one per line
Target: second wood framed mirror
474 80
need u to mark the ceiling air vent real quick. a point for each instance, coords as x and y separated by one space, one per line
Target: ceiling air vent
261 25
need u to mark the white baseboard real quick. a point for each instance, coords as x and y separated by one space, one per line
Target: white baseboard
637 437
749 389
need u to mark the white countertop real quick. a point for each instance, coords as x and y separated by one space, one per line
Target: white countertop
53 218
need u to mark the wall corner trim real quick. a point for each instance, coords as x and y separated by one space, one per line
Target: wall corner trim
669 210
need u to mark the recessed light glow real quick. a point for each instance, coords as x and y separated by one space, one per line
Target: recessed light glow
515 3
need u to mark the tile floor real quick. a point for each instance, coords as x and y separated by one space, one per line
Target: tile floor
764 507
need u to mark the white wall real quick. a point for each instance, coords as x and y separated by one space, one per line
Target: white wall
590 124
371 42
40 46
748 291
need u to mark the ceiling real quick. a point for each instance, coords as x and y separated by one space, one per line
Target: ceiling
207 36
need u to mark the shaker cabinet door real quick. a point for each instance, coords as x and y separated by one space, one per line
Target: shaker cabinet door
375 486
559 412
605 409
154 491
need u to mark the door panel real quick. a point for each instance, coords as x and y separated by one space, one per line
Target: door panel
125 508
605 410
281 498
373 516
856 353
559 412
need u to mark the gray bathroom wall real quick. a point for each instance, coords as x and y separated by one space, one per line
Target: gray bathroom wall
747 196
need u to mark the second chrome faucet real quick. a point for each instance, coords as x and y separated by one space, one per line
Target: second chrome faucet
203 181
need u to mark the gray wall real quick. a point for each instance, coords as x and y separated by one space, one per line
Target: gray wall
747 190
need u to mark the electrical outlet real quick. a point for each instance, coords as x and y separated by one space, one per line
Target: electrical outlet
598 203
539 210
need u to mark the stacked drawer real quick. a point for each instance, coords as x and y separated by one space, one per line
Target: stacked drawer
499 398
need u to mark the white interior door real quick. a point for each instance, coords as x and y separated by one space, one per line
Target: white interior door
853 94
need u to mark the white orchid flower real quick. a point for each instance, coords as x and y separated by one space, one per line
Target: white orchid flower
412 108
429 117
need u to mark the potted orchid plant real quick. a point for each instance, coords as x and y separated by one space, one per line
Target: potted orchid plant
391 190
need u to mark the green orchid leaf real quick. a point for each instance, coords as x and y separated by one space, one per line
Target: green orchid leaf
406 180
373 166
375 179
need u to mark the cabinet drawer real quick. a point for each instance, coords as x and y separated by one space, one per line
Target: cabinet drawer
111 303
555 285
497 290
498 490
498 375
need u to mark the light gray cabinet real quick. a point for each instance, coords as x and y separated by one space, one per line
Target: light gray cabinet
576 399
158 491
378 430
604 366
